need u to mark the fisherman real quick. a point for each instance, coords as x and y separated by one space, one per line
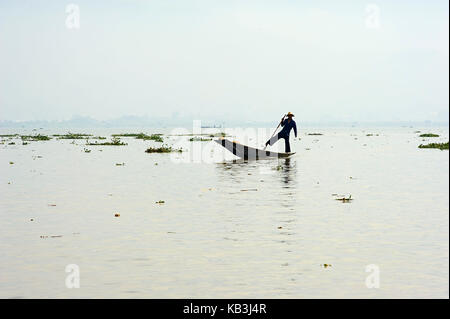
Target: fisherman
287 125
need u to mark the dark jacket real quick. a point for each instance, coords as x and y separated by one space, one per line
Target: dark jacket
287 127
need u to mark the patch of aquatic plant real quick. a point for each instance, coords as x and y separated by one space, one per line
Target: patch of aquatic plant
11 143
37 137
154 137
429 135
127 134
9 135
142 136
440 146
315 134
221 134
162 149
72 136
87 150
115 141
199 139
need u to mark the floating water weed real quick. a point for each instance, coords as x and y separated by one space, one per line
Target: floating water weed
440 146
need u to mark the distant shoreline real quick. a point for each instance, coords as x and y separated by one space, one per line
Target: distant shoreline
168 123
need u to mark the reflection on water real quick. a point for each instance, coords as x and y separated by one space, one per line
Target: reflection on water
267 190
289 172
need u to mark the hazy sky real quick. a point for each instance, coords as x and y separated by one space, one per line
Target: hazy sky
209 59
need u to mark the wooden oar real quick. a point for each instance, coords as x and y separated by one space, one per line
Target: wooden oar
275 131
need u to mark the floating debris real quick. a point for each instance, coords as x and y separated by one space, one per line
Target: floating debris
249 190
120 164
116 215
160 202
313 134
279 227
440 146
52 205
87 150
326 265
11 163
345 199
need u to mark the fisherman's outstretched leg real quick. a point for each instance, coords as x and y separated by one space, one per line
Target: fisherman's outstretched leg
273 139
287 146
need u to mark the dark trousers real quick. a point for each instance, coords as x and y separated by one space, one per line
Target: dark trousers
287 146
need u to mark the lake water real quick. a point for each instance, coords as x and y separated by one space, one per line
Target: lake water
258 229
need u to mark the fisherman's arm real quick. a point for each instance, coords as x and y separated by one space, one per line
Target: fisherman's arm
282 122
295 130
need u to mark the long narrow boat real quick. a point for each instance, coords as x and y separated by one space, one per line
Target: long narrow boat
248 152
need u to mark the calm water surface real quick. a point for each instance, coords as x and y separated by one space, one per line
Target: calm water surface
259 229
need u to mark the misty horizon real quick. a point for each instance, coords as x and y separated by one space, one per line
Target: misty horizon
230 62
79 121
